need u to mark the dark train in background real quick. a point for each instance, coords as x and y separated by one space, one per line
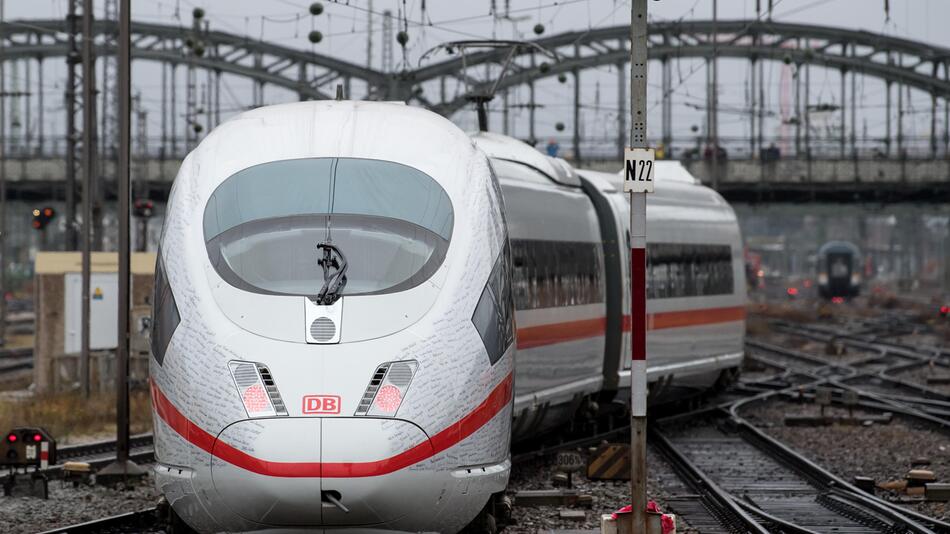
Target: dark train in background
839 270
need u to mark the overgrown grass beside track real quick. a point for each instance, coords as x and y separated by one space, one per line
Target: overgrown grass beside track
70 418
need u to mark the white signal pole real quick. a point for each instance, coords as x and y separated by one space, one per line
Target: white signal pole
638 181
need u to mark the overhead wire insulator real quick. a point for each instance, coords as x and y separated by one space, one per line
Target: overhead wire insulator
402 38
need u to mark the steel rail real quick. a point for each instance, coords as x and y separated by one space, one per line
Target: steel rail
703 484
147 518
831 481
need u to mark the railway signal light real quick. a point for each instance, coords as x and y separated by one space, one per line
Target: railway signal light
42 217
144 208
944 310
28 446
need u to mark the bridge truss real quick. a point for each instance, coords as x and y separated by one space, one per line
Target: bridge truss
902 64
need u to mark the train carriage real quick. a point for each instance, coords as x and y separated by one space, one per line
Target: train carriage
839 270
569 233
358 306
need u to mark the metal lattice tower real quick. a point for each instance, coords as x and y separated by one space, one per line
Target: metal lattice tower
369 36
16 121
140 177
74 81
192 126
387 41
108 140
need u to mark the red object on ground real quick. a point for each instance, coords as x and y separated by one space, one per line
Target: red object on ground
666 522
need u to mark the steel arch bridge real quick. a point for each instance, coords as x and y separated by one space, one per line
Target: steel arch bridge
262 62
444 86
895 60
892 59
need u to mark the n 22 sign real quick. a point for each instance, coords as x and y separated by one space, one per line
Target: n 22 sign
638 165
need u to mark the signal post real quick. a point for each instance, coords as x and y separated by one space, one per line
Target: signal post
638 181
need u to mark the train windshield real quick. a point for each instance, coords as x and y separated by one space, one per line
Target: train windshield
263 224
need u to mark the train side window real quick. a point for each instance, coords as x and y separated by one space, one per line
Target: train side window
165 316
556 273
688 270
494 314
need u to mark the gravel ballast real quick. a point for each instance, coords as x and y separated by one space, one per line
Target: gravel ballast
882 452
68 505
608 495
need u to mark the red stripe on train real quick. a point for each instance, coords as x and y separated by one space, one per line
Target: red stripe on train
499 397
549 334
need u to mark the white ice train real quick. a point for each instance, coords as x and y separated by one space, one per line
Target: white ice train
343 291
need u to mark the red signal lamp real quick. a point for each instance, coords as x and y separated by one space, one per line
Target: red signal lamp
37 437
12 438
944 310
792 291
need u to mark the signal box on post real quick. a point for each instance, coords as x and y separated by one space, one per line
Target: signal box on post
27 447
42 217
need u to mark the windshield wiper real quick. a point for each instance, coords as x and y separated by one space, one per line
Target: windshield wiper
334 274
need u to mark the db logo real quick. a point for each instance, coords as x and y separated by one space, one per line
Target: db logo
321 404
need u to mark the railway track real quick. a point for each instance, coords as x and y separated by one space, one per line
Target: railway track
101 453
761 485
14 360
142 521
753 483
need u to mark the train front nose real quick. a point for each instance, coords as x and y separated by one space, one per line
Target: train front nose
343 471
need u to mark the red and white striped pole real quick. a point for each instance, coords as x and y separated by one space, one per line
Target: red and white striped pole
44 455
638 181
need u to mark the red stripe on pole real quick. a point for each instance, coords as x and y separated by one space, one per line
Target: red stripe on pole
638 305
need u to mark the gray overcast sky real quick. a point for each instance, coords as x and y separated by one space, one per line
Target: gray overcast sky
344 25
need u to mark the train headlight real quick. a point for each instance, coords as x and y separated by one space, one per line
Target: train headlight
855 279
387 388
822 279
257 389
